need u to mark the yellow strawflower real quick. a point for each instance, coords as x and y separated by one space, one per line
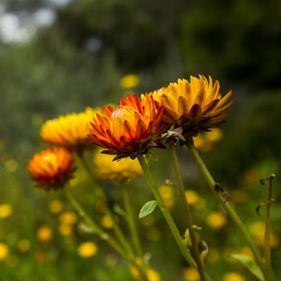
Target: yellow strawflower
4 251
233 276
69 130
87 249
129 81
5 211
116 171
216 220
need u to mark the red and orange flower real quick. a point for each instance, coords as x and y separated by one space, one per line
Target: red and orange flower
51 168
129 129
195 106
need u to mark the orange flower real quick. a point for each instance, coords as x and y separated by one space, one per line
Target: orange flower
195 106
51 168
129 129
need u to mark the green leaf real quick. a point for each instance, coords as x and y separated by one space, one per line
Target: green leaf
250 264
147 208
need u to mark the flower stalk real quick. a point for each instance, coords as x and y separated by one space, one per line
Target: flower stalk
267 271
187 212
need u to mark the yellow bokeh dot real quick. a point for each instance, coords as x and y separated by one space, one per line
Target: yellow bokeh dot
5 211
153 275
233 276
44 233
23 245
4 251
106 222
216 220
65 229
191 274
55 206
167 194
87 249
129 81
194 199
68 218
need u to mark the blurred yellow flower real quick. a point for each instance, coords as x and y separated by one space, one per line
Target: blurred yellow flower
106 222
191 274
23 245
116 171
87 249
5 211
55 206
44 233
194 199
4 251
233 276
216 220
205 142
69 130
68 218
257 230
129 81
167 194
65 229
153 275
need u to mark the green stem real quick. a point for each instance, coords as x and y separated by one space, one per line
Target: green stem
188 216
267 247
96 229
268 274
131 219
120 235
167 215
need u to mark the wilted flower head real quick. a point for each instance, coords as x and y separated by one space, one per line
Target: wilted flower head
69 130
129 129
196 105
116 171
51 168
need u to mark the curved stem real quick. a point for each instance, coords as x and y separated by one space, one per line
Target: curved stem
268 274
167 215
187 212
131 219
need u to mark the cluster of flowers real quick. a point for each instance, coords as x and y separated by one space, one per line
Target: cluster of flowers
177 112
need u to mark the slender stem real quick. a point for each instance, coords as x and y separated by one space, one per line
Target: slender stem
131 219
120 235
167 215
267 246
188 216
268 274
96 229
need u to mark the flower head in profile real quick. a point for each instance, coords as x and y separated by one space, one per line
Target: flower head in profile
195 106
116 171
51 168
129 129
69 130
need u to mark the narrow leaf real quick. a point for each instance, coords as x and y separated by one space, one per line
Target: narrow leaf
147 208
250 264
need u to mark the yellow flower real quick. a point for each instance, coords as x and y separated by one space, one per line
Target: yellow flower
87 249
4 251
191 274
68 218
233 276
130 129
205 142
69 130
106 222
55 206
167 195
153 275
196 105
216 220
5 211
194 199
44 233
129 81
51 168
116 171
23 245
65 229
